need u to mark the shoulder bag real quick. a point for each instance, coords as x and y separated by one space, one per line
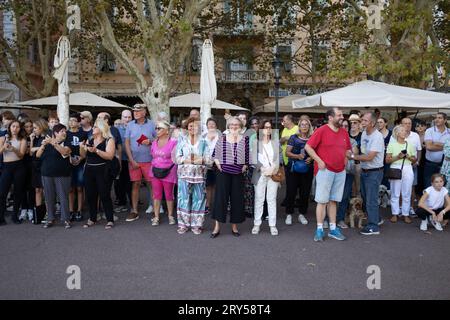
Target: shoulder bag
394 173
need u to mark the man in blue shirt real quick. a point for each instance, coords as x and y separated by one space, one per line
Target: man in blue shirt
138 140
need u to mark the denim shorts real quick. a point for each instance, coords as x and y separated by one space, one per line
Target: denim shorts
77 176
329 186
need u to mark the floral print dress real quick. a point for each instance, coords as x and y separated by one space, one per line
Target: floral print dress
445 169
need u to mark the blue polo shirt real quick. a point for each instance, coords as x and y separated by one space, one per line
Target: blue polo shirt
140 152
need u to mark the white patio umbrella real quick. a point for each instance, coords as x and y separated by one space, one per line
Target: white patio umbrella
192 100
373 94
84 99
61 64
208 87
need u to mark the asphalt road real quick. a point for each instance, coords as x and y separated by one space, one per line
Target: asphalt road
137 261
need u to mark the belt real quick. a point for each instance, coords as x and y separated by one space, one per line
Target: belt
375 169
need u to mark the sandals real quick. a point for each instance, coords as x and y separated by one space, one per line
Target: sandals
109 225
89 223
155 222
182 230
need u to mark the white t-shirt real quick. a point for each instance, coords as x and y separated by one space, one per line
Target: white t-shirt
372 142
436 199
434 135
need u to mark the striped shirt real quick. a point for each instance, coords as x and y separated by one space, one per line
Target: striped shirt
232 156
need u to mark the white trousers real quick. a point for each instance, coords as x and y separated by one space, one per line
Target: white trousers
403 187
266 185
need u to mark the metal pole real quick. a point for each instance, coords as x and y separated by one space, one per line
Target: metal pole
277 87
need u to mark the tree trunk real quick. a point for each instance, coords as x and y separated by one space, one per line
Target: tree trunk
156 97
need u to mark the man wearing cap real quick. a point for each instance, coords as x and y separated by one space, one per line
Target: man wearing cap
138 139
86 123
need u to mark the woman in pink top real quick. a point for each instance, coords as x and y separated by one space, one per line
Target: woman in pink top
164 171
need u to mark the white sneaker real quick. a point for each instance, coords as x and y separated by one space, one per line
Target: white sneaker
274 231
30 214
325 224
381 222
255 229
436 225
288 220
116 218
99 217
161 209
149 209
412 213
424 225
23 214
302 219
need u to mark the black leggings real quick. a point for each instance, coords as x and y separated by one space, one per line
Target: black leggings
13 173
97 184
295 181
423 214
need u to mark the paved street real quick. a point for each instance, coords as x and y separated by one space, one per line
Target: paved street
138 261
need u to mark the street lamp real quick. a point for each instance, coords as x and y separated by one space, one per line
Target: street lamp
276 65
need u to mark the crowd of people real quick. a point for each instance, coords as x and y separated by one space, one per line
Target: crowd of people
192 170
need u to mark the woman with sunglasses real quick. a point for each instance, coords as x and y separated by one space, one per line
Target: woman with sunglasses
232 158
99 152
164 171
299 180
267 164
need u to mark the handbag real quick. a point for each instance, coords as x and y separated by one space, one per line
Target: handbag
279 176
394 173
299 166
161 173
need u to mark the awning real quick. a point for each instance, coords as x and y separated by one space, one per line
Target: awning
192 100
84 99
372 94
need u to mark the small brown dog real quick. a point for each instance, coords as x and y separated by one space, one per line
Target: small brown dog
356 212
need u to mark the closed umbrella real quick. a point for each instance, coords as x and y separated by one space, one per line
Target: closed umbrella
61 74
208 87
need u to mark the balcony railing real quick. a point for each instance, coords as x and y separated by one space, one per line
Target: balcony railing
243 76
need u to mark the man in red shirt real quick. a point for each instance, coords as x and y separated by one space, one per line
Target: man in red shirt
330 148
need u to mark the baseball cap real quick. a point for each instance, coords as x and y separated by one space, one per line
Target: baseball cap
139 106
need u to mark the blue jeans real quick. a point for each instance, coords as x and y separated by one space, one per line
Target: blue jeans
370 183
343 205
430 168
